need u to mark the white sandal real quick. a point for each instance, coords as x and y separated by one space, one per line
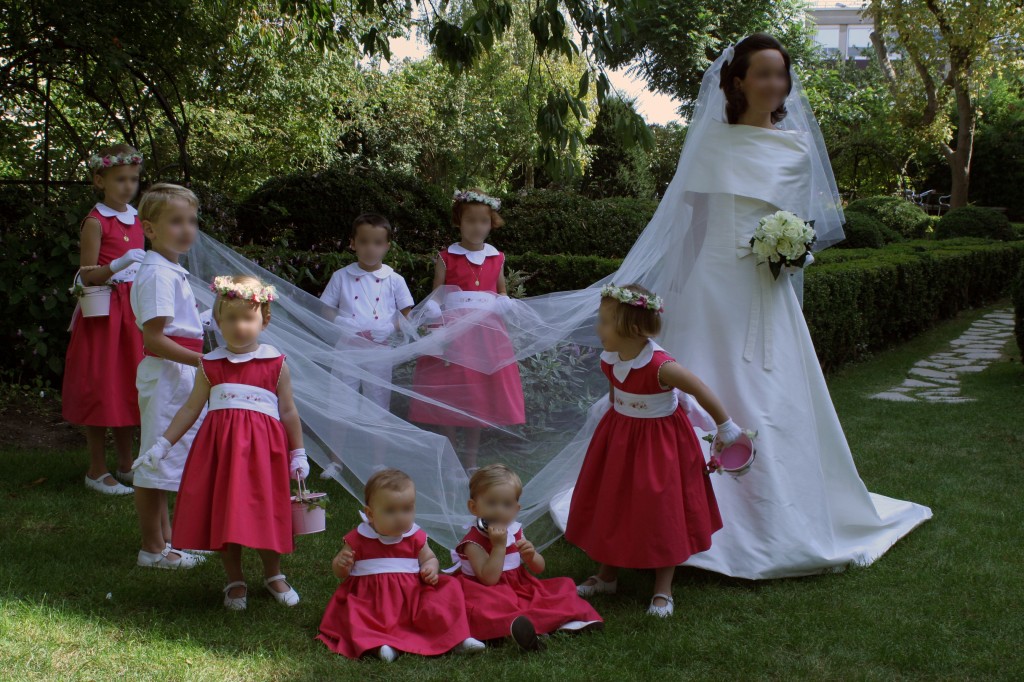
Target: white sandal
99 486
236 603
387 654
661 611
160 560
289 598
598 587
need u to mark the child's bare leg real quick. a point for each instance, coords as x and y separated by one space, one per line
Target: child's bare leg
124 438
165 519
472 447
451 433
95 440
148 502
231 557
271 567
663 583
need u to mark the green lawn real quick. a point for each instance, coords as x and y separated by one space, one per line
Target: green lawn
945 603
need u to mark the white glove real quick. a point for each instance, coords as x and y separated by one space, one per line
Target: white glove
131 258
728 432
298 464
152 457
504 304
431 310
810 259
382 333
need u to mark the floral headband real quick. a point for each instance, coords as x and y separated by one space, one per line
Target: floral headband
97 162
226 287
633 298
468 196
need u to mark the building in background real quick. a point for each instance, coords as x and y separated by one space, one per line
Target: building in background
842 29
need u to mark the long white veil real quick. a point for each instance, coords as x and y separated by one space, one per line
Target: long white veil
549 338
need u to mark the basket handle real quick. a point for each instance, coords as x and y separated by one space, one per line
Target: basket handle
303 491
78 273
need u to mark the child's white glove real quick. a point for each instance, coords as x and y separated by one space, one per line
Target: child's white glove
728 432
151 458
431 310
131 258
298 464
382 333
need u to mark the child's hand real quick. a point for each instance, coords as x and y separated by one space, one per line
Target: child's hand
526 550
345 559
428 572
497 533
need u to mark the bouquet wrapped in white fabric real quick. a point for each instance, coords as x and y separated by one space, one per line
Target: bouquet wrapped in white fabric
782 239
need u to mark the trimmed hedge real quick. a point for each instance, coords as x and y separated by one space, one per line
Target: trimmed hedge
855 301
974 221
899 215
864 231
1018 309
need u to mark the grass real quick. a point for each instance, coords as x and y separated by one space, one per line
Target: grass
944 603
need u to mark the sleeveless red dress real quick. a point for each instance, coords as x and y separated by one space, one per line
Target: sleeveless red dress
495 398
384 601
643 498
235 486
104 352
549 603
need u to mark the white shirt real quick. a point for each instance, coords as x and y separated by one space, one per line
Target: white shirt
161 289
367 298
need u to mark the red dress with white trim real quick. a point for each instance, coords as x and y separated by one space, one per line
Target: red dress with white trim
495 398
549 603
385 602
104 352
235 487
643 498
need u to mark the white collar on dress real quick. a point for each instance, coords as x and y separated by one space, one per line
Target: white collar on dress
621 368
384 272
127 216
474 257
154 258
512 529
367 531
264 352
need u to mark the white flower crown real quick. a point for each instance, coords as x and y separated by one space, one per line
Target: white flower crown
633 298
97 162
468 196
226 287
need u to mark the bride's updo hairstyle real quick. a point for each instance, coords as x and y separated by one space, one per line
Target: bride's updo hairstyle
735 101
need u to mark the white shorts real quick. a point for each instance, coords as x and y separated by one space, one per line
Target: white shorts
163 387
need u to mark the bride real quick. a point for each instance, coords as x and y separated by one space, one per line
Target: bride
754 148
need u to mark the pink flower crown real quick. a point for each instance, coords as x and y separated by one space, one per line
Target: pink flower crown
466 196
226 287
97 162
637 300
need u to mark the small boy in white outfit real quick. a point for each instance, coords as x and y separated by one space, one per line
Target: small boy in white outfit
368 296
166 312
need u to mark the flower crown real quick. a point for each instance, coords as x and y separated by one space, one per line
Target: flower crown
97 162
226 287
633 298
469 196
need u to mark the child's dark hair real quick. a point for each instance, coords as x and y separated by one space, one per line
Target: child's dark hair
459 206
386 479
735 100
373 220
632 321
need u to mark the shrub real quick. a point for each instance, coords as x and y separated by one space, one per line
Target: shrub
974 221
564 222
1018 309
865 232
899 215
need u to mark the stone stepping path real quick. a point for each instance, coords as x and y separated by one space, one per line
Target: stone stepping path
936 379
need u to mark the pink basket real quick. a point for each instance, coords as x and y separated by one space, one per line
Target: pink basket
308 516
738 457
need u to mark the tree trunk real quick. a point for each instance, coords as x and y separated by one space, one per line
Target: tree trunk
959 159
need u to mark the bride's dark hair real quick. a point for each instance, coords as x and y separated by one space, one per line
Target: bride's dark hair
735 100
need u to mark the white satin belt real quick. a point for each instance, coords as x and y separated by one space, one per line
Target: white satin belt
126 275
387 565
512 562
243 397
645 405
760 311
479 300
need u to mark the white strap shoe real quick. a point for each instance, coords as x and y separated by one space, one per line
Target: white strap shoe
163 559
199 556
236 603
582 626
387 654
594 585
101 486
288 598
469 646
661 611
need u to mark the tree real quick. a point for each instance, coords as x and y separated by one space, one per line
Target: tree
953 47
614 169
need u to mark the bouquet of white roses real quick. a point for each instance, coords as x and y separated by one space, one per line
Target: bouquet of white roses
782 238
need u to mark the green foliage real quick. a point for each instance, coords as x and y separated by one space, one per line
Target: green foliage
997 175
899 215
616 169
974 221
864 231
1018 308
556 221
